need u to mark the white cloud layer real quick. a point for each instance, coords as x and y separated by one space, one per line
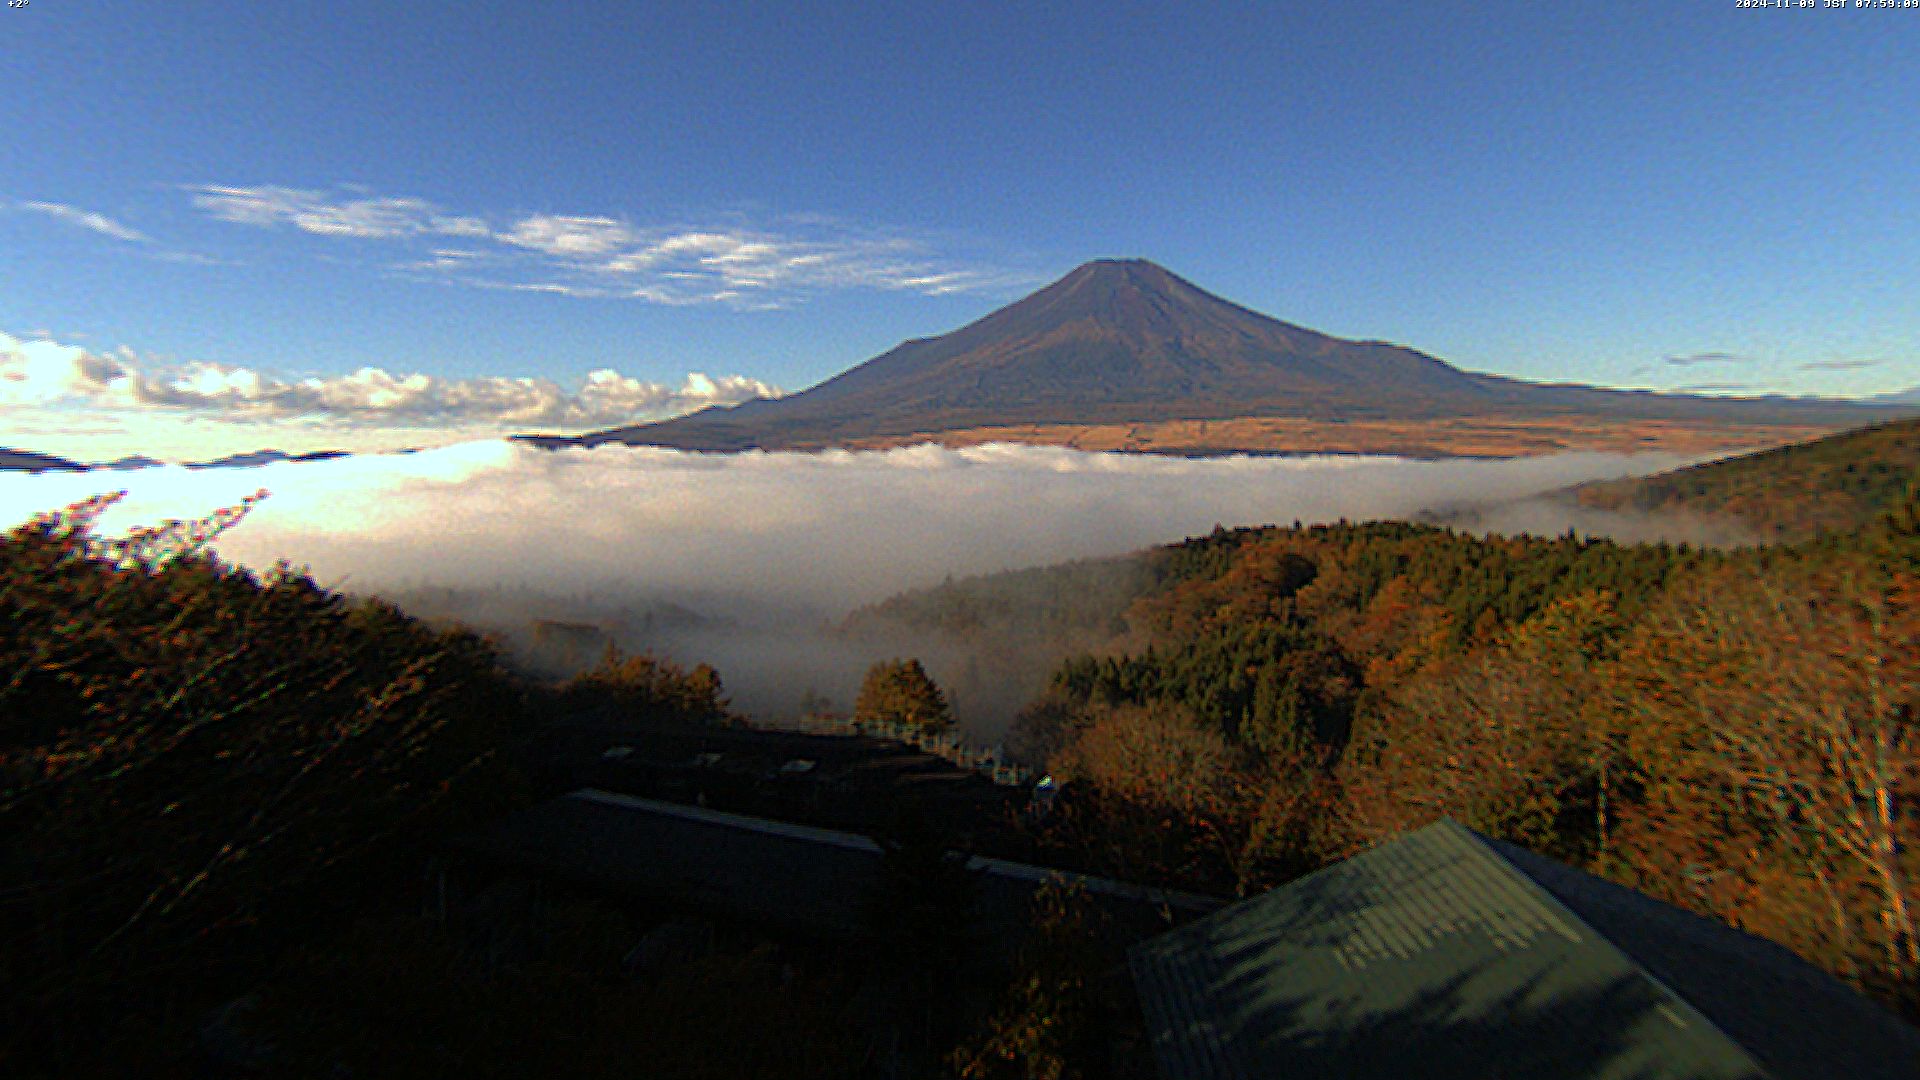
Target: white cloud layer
831 529
745 536
604 398
46 374
595 255
90 220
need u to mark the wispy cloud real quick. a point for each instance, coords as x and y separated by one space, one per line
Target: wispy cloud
90 220
1840 365
740 260
1718 388
190 258
47 373
556 288
1692 359
374 217
438 259
606 256
569 236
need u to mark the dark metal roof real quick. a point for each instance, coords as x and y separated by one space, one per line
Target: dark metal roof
1442 954
778 873
1794 1018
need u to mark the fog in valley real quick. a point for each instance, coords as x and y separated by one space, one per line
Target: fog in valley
752 561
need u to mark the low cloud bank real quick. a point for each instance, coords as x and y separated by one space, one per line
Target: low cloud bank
1553 515
740 559
43 374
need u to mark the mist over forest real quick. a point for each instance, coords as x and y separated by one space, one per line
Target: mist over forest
752 562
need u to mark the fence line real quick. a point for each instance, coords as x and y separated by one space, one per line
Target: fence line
989 761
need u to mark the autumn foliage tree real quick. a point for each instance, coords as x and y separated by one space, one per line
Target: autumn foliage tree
1158 795
901 692
1769 725
191 756
645 688
1499 740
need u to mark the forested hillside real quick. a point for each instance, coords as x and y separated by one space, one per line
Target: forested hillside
1788 493
1731 732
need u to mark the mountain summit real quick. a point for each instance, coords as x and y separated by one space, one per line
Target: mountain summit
1116 337
1126 342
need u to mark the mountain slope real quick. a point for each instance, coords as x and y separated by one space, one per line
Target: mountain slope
129 463
1125 342
255 458
1123 333
29 461
1840 482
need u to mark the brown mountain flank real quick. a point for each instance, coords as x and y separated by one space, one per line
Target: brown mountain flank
1123 355
1491 437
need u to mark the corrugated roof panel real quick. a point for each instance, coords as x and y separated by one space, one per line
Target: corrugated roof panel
1793 1018
1429 956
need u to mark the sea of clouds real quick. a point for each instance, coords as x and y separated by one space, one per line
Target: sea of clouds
767 547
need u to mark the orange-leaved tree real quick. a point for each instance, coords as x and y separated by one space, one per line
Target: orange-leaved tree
1768 724
1501 740
901 692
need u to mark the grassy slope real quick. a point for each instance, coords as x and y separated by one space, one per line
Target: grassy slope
1836 483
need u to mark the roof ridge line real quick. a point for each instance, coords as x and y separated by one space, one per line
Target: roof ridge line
1556 905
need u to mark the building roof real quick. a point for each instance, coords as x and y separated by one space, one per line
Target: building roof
856 783
779 873
1444 953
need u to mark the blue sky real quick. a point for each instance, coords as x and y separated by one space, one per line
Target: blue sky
226 226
